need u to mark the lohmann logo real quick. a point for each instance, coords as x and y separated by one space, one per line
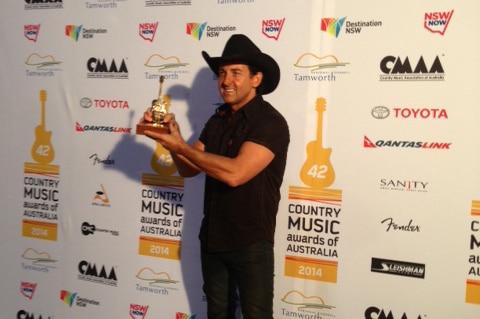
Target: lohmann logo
272 28
367 143
437 22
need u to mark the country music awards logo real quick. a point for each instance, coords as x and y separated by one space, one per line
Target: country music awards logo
472 291
313 232
437 22
41 183
31 32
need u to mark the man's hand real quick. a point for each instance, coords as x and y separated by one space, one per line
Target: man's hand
172 141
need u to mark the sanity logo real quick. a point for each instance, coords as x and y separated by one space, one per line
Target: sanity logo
31 31
138 311
147 30
332 26
73 31
272 28
196 29
437 22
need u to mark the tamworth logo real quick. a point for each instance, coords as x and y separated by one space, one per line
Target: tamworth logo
147 30
437 22
272 28
367 143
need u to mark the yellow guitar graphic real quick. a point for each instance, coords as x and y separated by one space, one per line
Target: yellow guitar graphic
317 171
162 161
42 150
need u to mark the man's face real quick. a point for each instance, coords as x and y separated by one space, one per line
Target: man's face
237 85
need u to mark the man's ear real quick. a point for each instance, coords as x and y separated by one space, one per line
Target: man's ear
257 79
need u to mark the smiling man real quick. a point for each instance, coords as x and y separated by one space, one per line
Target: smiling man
243 151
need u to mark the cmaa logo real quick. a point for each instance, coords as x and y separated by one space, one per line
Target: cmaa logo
99 68
22 314
138 311
376 313
272 28
437 22
147 30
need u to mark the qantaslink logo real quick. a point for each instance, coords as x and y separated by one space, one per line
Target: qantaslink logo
367 143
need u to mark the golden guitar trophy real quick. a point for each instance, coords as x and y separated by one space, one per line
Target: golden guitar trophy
317 171
159 111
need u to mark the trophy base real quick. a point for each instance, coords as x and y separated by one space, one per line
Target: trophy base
157 128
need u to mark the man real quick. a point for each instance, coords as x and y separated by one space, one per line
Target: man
242 150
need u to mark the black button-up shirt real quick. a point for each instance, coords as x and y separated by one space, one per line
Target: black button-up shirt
235 217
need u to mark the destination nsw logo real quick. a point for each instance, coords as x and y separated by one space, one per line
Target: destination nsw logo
399 268
367 143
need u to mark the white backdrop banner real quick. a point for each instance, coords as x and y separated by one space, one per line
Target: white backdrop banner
380 209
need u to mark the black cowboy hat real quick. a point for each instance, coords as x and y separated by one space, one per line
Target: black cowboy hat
240 49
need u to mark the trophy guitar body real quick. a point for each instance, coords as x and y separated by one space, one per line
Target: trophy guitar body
159 110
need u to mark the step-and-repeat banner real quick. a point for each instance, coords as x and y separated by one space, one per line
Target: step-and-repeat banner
380 209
